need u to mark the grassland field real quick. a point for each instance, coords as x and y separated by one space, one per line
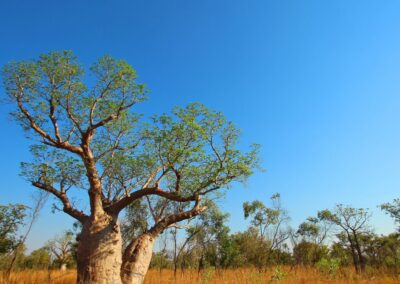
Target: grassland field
302 275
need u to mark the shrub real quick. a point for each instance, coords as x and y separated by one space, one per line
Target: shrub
329 266
278 274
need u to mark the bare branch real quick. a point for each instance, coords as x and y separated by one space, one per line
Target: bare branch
126 200
62 196
164 223
102 95
47 138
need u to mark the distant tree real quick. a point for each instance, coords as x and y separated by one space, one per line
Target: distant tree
393 209
38 259
161 260
340 251
312 234
271 222
384 251
198 243
88 137
309 253
61 249
206 235
17 256
11 218
38 203
249 249
176 248
228 251
135 222
353 223
315 229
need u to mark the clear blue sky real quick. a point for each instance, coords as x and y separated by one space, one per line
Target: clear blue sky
316 83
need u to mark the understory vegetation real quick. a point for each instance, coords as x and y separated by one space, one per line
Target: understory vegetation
292 275
322 248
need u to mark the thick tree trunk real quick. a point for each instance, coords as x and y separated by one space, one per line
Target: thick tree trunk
99 251
136 259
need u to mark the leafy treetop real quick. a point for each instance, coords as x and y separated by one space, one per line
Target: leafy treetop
88 137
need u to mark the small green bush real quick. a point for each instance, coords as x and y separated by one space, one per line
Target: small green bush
278 275
329 266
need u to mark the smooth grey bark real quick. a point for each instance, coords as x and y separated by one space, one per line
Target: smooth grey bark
136 259
99 251
100 259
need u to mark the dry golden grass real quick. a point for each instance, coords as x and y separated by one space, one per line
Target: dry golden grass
252 276
231 276
42 277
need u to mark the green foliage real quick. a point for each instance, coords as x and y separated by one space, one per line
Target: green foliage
192 151
38 259
308 229
51 166
208 233
338 251
329 265
228 252
206 241
250 249
5 259
312 234
136 221
55 80
353 224
346 216
383 251
198 145
307 253
393 209
11 218
264 217
278 274
61 249
271 225
160 260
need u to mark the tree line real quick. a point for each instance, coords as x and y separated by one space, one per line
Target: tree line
340 237
334 238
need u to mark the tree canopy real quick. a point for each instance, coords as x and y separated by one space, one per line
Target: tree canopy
393 209
87 127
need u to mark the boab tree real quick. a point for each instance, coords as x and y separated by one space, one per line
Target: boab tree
88 137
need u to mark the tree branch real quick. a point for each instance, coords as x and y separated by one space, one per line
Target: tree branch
48 140
160 226
102 95
62 196
54 120
111 117
126 200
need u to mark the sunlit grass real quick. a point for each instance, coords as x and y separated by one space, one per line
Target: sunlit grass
234 276
42 277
